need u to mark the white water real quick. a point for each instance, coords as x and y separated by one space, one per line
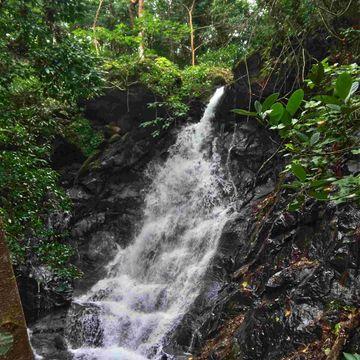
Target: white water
152 282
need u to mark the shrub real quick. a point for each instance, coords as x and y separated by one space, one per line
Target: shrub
319 134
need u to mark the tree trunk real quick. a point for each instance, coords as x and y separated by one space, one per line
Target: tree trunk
14 341
96 43
192 33
141 34
132 12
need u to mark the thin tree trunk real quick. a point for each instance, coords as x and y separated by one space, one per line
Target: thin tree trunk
192 33
132 5
12 320
141 34
96 43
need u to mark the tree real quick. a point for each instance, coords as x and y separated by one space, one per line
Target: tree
42 76
190 11
96 44
141 33
14 341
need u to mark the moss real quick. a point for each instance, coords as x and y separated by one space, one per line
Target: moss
114 138
89 164
338 306
80 133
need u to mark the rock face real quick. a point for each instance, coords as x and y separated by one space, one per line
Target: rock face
283 282
108 200
279 283
107 192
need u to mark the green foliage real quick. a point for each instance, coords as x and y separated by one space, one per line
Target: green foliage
49 61
28 190
6 342
282 20
67 70
295 101
44 71
120 40
160 75
319 139
348 356
224 57
192 82
80 133
175 87
57 257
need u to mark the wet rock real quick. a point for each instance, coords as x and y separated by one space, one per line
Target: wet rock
283 271
47 337
86 225
107 191
290 284
41 291
290 276
124 109
65 154
353 344
276 273
83 325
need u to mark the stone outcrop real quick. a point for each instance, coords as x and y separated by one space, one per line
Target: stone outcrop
281 284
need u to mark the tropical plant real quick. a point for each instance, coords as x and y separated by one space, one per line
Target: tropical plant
319 134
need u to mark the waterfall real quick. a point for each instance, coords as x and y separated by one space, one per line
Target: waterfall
152 282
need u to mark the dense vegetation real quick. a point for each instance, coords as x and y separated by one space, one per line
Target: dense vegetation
54 54
321 138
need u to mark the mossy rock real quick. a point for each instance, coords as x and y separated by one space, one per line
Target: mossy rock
115 138
89 164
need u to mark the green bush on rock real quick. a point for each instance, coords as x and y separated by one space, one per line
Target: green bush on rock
319 134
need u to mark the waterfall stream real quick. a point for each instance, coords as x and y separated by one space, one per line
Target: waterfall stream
152 282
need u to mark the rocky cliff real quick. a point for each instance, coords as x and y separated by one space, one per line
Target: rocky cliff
281 286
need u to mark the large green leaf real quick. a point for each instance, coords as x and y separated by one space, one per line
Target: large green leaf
314 138
6 342
353 89
327 99
286 118
258 106
295 101
334 107
244 112
298 171
317 73
343 85
303 137
319 194
277 111
269 101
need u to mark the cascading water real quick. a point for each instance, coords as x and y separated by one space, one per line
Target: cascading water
151 283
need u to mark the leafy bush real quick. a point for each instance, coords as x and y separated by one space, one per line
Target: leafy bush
319 134
161 76
120 40
184 85
80 133
57 257
224 57
44 71
174 87
67 70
